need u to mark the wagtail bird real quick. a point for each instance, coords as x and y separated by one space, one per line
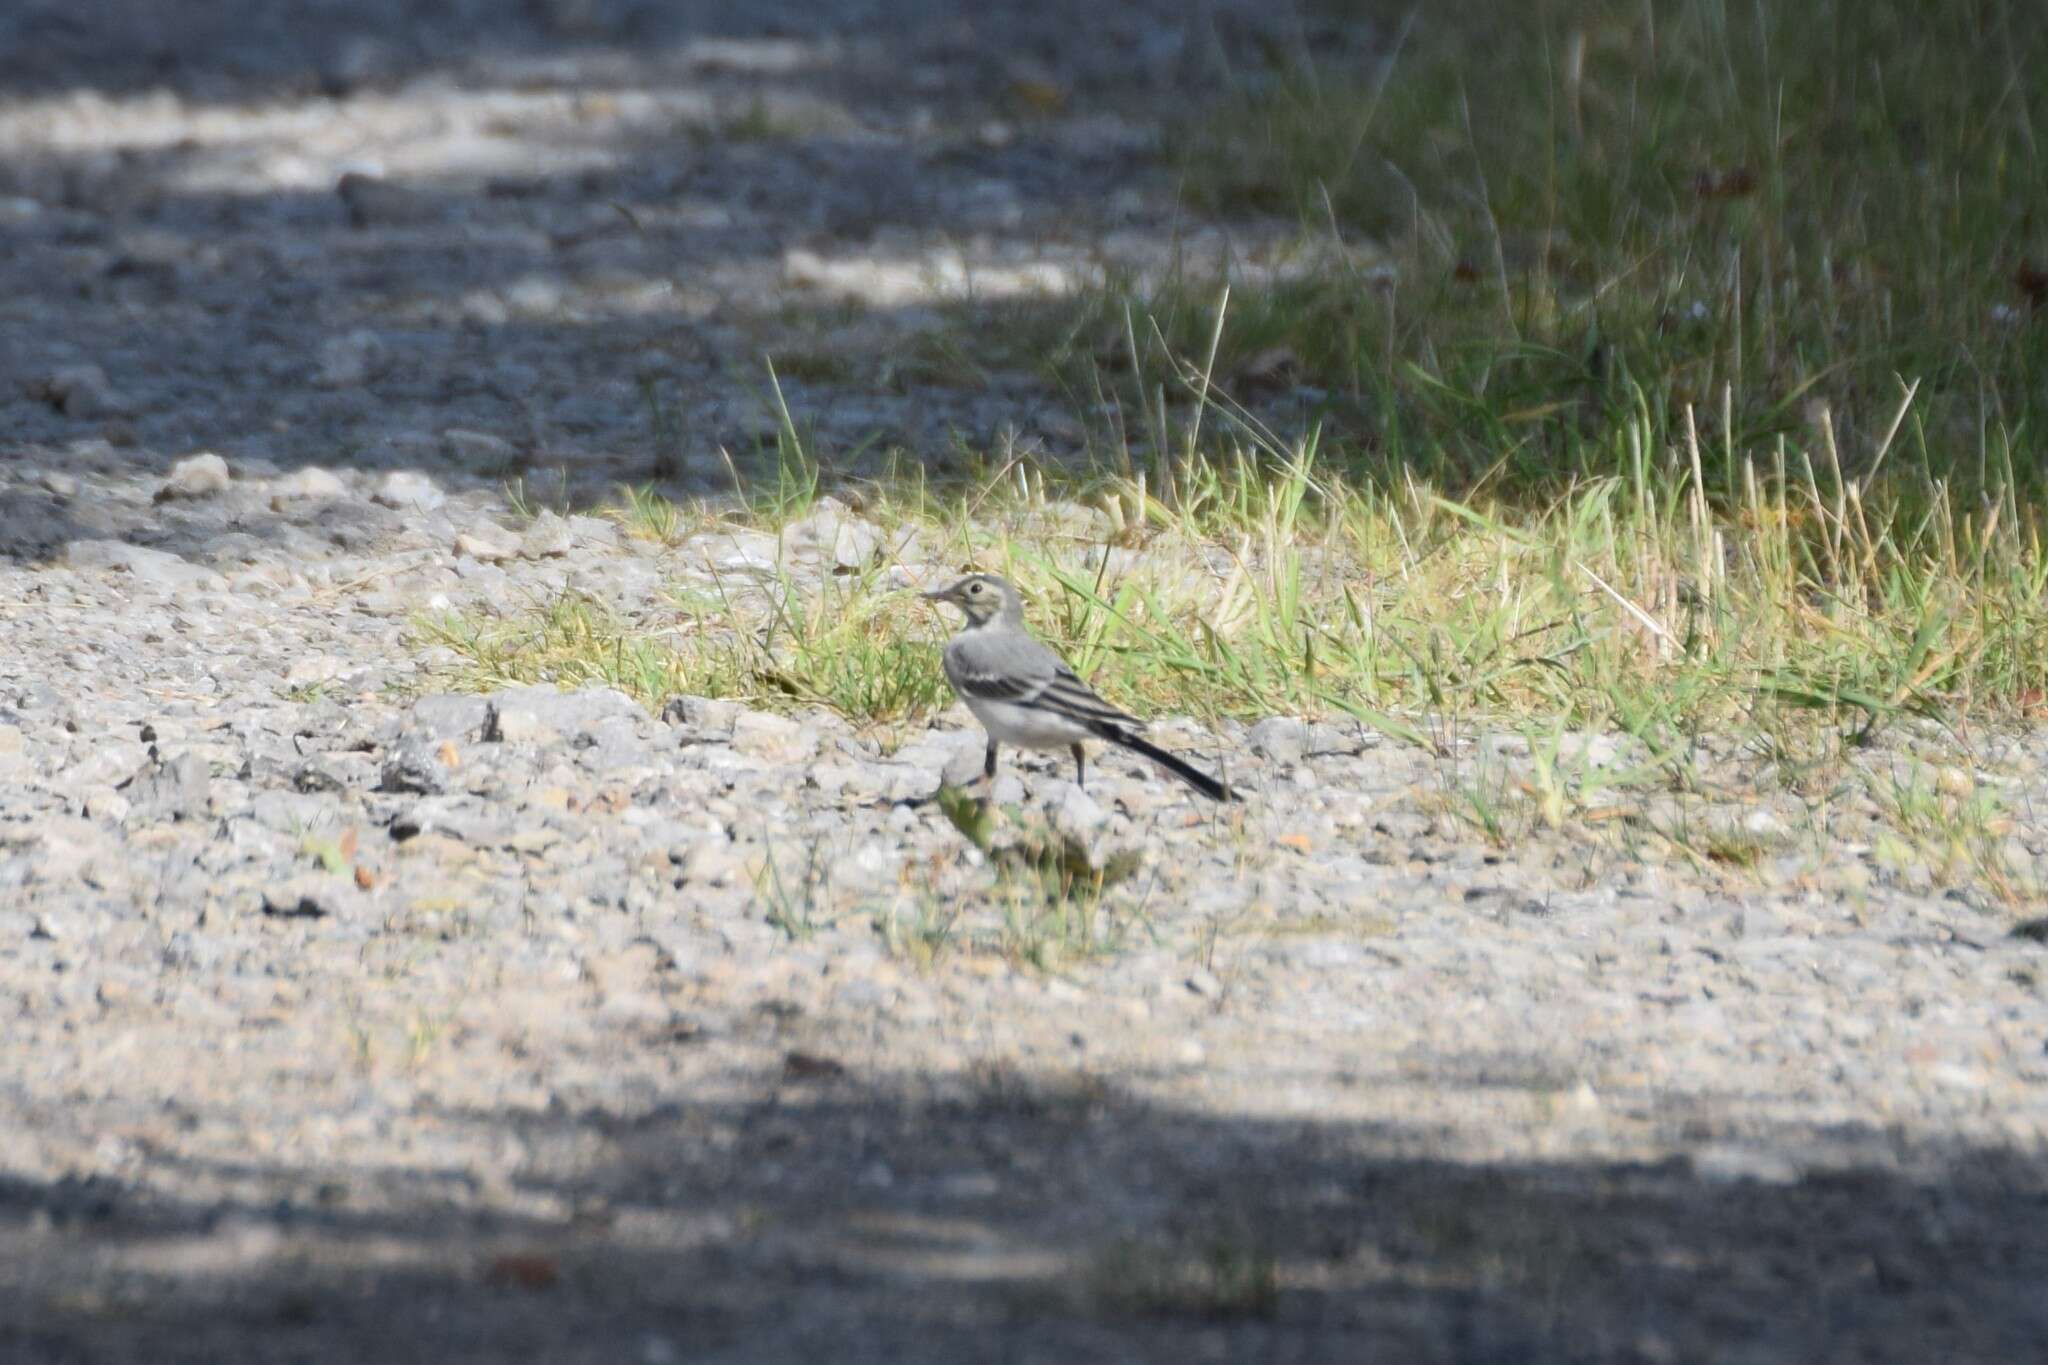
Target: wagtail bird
1024 694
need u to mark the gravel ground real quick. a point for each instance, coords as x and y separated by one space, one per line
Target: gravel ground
349 1019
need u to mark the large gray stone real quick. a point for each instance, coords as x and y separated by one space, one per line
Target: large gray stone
169 789
158 568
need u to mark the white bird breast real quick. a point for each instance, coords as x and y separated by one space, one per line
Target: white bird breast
1025 726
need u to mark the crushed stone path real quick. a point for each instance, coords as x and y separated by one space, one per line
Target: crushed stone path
347 1017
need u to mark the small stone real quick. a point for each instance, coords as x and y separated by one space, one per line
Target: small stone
484 546
177 789
312 482
313 670
484 308
534 296
1959 1077
1078 815
264 580
1590 750
59 484
739 551
833 535
1728 1163
1204 983
713 862
1282 739
1763 822
409 491
107 803
517 725
548 536
633 1009
963 769
192 951
543 715
594 531
336 772
778 739
196 476
450 716
538 839
416 764
701 720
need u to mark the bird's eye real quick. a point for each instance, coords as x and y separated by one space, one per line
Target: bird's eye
974 588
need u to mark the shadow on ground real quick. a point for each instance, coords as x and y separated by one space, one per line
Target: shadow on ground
253 48
1010 1220
603 216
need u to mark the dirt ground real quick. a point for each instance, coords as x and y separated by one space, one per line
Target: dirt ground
341 1023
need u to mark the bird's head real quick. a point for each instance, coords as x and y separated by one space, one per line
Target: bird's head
982 597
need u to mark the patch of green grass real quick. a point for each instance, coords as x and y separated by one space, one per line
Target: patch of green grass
797 900
1272 586
422 1033
1693 381
1764 212
1570 775
526 502
1713 840
1049 884
1487 801
796 473
572 640
664 430
852 650
1956 826
922 933
644 514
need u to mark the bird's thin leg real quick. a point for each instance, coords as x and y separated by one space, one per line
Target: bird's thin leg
1080 766
988 767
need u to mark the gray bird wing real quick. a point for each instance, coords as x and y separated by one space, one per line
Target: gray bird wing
1012 667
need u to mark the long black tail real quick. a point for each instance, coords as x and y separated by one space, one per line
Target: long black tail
1173 763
